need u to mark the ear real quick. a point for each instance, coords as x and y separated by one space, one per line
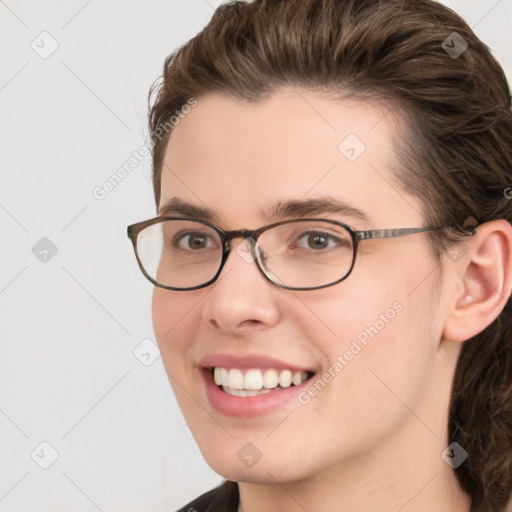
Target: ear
484 275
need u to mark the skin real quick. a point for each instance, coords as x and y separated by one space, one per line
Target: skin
372 439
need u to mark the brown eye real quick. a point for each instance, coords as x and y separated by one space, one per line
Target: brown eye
193 241
318 241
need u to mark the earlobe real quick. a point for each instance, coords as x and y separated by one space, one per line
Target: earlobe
486 281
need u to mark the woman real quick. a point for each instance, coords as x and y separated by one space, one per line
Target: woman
333 256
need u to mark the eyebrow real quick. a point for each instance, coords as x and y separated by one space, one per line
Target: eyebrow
313 207
280 210
176 206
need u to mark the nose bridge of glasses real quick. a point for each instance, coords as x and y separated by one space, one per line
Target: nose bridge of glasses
244 249
246 234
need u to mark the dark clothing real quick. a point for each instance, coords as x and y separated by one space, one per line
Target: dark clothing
224 498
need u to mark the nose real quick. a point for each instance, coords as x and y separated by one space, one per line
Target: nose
241 298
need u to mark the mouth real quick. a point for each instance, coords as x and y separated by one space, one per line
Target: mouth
249 382
252 385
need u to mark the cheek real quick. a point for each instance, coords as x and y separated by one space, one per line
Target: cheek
352 313
175 322
174 316
388 308
376 344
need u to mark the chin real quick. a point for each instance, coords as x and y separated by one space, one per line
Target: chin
242 461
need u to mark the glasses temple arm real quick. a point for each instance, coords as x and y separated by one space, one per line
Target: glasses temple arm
466 230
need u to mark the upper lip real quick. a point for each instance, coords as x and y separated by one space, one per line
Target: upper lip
249 361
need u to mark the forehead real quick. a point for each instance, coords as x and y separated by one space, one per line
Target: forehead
239 158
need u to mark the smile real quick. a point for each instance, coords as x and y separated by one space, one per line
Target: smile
252 385
255 381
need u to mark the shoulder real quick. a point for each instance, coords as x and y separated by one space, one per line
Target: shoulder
223 498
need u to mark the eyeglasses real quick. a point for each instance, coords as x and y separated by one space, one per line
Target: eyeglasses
179 253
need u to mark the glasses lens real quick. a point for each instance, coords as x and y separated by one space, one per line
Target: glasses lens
306 254
180 254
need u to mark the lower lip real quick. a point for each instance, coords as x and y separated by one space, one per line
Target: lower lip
250 406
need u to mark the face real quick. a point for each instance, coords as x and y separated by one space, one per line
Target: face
367 345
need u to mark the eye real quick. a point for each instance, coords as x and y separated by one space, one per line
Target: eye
193 241
318 240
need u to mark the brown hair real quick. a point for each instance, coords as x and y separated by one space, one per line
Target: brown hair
455 154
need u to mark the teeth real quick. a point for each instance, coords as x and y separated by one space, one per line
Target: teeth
285 379
236 379
270 379
217 377
245 392
299 377
255 381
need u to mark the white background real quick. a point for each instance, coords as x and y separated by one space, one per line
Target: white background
70 325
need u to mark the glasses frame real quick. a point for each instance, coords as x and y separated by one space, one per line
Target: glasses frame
252 235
